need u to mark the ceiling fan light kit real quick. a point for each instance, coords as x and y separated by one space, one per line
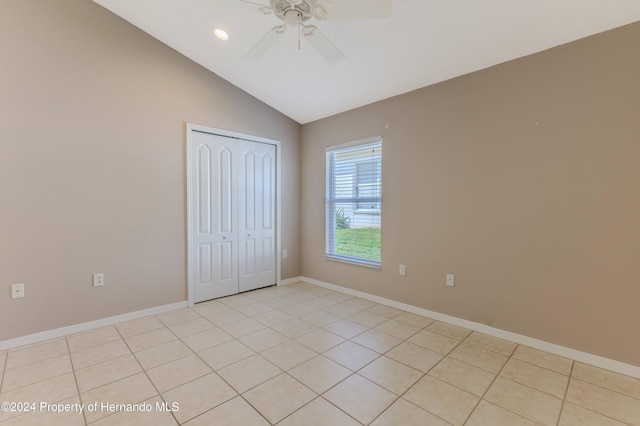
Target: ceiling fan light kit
294 13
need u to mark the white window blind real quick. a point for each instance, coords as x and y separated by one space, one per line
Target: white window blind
354 202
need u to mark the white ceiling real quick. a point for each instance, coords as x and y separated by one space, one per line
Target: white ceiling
422 43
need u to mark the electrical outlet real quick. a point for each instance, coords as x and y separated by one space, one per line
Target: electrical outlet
285 253
17 291
98 279
402 270
450 280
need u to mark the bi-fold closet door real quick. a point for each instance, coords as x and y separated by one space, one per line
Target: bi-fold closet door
233 215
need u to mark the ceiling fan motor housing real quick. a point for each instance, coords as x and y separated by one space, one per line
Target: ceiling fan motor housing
304 7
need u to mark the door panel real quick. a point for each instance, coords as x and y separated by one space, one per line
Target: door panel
268 247
268 191
226 267
257 264
248 210
215 271
204 190
249 257
224 197
204 263
267 233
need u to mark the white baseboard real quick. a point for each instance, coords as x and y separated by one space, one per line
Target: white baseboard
86 326
290 281
584 357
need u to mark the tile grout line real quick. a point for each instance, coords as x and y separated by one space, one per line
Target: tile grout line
241 394
190 381
597 412
566 391
398 397
421 377
140 365
31 346
352 373
427 372
213 371
606 388
4 369
254 408
144 370
318 395
24 413
75 380
324 399
40 381
444 356
282 371
525 385
517 359
387 319
543 368
484 394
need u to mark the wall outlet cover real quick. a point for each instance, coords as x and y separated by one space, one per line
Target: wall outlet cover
17 291
450 280
98 280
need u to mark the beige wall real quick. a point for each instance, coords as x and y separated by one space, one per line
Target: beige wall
523 180
92 163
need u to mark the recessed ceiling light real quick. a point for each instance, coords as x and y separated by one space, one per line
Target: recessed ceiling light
221 34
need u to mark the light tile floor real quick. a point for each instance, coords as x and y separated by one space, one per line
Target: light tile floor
302 355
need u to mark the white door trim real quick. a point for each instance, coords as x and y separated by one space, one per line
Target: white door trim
190 128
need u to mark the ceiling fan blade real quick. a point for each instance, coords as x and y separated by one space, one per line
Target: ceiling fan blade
255 3
265 42
264 8
323 45
353 9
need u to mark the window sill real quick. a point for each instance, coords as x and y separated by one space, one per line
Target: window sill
353 262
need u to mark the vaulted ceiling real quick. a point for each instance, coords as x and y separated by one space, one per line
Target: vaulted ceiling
421 43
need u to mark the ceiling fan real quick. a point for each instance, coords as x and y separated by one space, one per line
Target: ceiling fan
295 13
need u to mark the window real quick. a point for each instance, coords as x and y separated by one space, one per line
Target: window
354 202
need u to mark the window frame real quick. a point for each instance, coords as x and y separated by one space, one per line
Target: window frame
332 200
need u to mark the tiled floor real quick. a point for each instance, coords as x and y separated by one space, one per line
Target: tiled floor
303 355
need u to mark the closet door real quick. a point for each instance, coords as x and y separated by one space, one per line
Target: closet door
214 217
233 216
256 206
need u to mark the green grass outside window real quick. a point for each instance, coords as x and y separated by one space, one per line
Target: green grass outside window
359 242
